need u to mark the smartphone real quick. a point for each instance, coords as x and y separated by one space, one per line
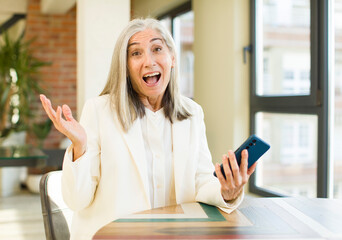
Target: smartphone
255 146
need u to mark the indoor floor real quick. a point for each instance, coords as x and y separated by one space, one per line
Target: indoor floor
21 217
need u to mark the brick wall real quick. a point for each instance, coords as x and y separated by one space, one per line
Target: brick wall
55 42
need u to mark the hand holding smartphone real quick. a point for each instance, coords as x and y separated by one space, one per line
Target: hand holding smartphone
255 146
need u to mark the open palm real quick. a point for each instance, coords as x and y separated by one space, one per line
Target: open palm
68 126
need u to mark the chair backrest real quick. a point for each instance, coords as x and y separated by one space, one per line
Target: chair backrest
56 215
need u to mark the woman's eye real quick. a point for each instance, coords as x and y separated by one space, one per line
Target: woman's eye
157 49
135 53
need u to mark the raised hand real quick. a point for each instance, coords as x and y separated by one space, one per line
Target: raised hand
236 177
68 126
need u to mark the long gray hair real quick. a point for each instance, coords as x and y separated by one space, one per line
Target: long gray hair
124 100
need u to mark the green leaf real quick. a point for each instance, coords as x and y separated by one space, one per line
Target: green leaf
41 130
17 55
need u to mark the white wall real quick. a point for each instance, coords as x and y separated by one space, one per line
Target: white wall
99 24
221 77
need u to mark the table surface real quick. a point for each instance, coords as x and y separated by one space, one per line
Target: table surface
256 218
21 156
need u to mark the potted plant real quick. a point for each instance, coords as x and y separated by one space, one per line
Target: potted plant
19 84
19 88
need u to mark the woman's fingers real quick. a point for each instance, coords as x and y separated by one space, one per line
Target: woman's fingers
234 166
59 115
244 164
252 169
236 176
68 126
42 99
67 112
227 171
55 116
244 160
220 176
59 124
48 108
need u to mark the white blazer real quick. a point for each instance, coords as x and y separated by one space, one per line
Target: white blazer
110 180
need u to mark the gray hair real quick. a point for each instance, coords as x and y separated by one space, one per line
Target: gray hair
125 102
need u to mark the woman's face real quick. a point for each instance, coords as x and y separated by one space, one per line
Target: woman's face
149 64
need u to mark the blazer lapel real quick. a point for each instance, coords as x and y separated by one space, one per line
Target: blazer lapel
181 140
135 144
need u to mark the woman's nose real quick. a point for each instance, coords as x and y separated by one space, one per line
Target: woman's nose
149 60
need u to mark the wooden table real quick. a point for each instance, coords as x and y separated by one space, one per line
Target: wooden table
22 156
256 218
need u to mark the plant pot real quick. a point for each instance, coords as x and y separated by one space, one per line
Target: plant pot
14 139
12 177
32 182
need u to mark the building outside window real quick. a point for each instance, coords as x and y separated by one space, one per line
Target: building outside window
296 100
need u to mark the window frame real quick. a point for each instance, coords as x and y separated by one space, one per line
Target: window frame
316 103
172 14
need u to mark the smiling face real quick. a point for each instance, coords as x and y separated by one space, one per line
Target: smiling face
149 65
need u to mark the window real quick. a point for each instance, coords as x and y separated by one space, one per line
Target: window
290 163
290 96
336 11
180 22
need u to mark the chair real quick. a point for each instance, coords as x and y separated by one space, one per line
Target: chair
55 157
56 215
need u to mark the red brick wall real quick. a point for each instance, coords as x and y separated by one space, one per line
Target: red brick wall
56 43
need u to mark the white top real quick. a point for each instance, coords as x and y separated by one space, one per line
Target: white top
157 135
110 180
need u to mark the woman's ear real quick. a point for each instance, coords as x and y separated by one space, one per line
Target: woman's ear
173 61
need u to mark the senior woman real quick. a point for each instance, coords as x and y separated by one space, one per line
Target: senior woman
140 144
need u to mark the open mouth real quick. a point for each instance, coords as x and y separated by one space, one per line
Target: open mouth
152 78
